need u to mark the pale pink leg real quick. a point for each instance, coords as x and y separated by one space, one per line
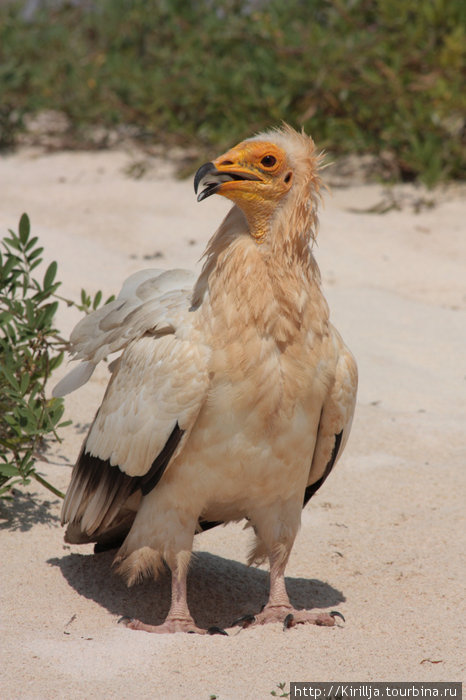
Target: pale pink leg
179 618
279 608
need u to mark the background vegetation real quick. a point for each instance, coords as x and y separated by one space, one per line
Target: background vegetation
367 76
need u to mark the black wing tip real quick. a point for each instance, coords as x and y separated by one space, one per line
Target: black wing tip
150 480
311 490
94 474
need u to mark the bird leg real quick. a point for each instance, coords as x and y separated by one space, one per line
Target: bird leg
179 618
279 608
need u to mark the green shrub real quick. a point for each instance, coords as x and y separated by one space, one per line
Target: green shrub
30 349
364 76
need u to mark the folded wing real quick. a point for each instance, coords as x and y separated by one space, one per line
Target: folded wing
157 389
336 417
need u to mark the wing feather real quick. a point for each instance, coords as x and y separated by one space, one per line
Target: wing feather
158 386
157 383
149 301
336 417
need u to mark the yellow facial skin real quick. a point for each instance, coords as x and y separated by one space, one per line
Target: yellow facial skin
257 198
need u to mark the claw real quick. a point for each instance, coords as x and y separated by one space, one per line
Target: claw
288 621
335 613
125 619
244 621
216 630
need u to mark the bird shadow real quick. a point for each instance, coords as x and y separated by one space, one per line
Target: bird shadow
219 590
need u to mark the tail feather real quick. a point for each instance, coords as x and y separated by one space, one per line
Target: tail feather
96 494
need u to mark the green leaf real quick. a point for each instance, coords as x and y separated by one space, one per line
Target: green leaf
97 300
24 228
26 463
30 313
64 423
10 377
9 470
5 490
50 275
35 263
56 361
11 261
25 380
5 318
50 311
35 253
13 243
31 243
85 300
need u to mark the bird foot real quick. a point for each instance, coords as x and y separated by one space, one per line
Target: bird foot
289 617
170 626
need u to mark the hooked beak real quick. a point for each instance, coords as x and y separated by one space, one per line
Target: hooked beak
209 178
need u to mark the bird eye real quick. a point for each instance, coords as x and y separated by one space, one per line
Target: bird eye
268 161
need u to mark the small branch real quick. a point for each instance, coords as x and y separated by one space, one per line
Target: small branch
48 486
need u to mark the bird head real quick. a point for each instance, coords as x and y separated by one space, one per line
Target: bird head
269 177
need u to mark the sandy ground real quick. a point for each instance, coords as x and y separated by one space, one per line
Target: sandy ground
382 541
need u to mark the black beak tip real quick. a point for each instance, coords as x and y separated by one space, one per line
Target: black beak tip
202 172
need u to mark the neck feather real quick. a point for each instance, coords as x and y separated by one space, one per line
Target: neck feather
271 285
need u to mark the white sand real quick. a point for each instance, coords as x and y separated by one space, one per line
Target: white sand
382 541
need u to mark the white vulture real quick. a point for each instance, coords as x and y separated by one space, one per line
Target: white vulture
233 395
